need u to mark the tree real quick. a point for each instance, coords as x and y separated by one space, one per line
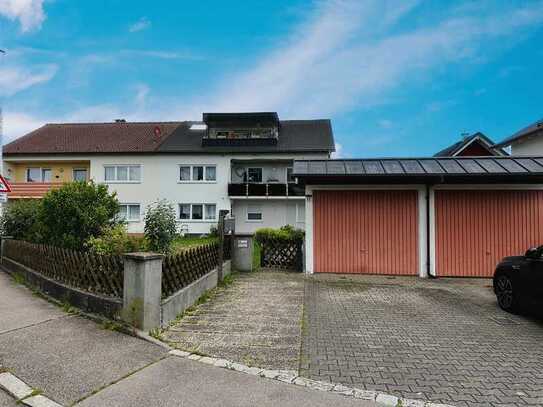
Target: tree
20 220
76 212
160 226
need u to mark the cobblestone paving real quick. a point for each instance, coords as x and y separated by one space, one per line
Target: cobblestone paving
441 340
255 321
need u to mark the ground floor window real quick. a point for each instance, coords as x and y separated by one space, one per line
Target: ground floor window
254 213
38 175
300 212
129 212
80 174
197 211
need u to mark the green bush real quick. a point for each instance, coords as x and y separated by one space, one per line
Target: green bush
286 234
115 240
20 219
76 212
160 226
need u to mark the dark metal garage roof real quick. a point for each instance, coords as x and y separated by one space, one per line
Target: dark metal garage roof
469 169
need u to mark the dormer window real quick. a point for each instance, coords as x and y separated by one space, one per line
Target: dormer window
243 129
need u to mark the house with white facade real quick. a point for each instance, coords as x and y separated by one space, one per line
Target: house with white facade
235 162
525 142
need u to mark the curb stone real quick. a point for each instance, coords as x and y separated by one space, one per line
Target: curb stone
291 377
21 391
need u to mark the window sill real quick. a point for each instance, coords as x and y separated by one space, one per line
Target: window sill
253 221
196 182
196 220
122 182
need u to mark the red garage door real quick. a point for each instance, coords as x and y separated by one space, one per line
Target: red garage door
475 229
369 232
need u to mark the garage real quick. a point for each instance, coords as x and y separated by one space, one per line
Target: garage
366 232
475 229
441 216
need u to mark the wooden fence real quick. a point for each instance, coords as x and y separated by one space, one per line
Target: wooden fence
179 270
280 254
89 272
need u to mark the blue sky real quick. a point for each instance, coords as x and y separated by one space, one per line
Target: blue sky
397 78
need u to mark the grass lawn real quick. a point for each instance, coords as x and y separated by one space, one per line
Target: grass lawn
184 243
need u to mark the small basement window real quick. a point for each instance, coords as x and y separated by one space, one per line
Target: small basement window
254 213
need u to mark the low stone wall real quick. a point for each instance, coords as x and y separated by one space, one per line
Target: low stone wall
88 302
175 304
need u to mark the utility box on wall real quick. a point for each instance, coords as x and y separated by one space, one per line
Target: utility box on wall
243 253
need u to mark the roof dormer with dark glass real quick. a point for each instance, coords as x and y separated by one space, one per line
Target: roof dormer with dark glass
241 129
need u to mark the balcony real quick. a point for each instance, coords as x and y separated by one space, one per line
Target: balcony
28 190
265 190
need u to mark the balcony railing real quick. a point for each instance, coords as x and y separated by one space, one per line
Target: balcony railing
272 189
21 190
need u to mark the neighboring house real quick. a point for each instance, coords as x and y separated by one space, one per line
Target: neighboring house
236 162
528 141
477 145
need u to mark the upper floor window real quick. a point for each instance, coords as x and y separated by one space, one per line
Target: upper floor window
254 175
38 174
197 173
122 173
80 174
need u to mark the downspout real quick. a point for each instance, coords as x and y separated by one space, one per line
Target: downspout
428 257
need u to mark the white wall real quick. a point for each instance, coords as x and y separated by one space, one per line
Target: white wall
160 174
530 147
275 213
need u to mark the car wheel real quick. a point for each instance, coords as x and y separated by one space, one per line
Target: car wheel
505 293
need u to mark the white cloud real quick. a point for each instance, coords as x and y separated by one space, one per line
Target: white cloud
339 151
140 25
16 124
347 57
161 54
385 123
14 79
29 12
142 90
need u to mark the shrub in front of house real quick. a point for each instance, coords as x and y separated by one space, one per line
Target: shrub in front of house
77 212
284 234
20 220
115 240
160 226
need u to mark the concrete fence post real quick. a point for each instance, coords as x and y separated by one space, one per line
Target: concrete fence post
2 246
142 290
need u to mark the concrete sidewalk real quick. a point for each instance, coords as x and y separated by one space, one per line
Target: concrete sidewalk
73 360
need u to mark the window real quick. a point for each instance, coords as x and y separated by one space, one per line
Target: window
197 173
290 178
254 213
254 174
122 173
38 175
300 212
184 173
198 212
129 212
80 174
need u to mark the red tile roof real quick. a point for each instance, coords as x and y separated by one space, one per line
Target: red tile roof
124 137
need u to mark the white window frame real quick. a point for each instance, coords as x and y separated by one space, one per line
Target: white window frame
191 174
41 174
116 180
254 220
128 212
83 169
298 206
204 206
261 175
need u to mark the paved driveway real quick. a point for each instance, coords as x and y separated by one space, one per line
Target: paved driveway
443 340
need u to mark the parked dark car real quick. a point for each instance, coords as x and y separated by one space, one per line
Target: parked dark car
518 281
